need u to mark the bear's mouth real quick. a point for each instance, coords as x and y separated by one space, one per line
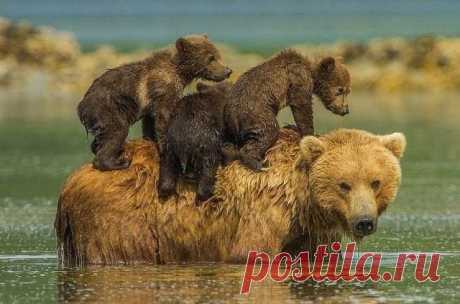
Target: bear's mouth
213 77
206 74
338 111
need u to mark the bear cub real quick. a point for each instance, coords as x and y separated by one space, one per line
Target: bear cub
195 141
288 79
147 90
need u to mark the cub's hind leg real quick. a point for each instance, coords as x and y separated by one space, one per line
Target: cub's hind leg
207 178
169 172
256 141
148 127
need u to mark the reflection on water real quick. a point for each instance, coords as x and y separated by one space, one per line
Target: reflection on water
37 154
38 278
208 283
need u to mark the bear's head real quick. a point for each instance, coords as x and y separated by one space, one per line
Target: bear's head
353 176
201 58
332 85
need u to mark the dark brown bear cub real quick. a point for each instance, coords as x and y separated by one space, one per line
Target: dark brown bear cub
288 79
194 141
148 89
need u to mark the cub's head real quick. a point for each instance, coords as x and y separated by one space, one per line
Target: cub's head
201 58
353 176
332 85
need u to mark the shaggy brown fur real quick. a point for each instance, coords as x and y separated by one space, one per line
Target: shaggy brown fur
116 217
288 79
147 89
195 140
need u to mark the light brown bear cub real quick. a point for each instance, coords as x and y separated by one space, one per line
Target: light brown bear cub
148 89
288 79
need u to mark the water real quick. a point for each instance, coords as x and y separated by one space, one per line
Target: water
251 25
41 143
38 152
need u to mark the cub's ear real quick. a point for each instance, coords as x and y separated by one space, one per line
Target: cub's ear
205 36
395 142
202 87
311 148
181 44
327 64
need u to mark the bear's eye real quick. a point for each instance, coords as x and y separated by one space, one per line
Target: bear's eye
344 187
340 91
211 58
375 185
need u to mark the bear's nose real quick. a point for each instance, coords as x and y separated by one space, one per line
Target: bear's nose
345 111
228 72
364 226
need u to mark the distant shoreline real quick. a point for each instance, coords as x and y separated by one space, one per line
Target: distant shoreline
259 26
45 62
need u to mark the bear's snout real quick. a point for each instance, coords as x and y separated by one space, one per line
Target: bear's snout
216 71
227 72
345 111
363 226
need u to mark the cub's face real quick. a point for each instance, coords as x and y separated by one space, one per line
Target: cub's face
332 85
202 58
354 175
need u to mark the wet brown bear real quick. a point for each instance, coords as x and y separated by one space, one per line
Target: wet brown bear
147 89
315 191
288 79
194 141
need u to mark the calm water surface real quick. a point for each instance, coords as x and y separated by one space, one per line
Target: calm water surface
39 152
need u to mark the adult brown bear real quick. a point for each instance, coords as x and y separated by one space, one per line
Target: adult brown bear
316 191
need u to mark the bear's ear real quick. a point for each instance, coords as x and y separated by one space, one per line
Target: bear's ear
181 44
311 148
395 142
327 64
202 87
205 36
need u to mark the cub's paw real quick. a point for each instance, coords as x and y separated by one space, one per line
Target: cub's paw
202 197
204 193
166 190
